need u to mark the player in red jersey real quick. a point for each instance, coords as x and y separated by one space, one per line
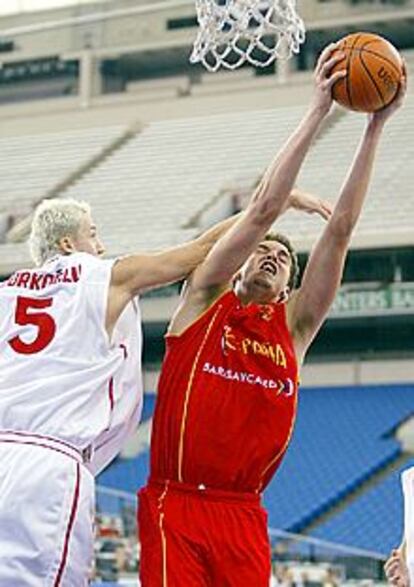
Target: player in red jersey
228 388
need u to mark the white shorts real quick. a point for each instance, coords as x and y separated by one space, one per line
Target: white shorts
46 513
408 490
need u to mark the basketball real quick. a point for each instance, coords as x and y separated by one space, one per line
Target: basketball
374 69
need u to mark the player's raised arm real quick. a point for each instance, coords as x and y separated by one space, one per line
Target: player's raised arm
322 277
271 196
138 272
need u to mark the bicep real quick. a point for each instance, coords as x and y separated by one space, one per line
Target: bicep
193 303
320 283
134 274
137 273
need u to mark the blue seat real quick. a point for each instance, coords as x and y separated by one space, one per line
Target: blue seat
373 521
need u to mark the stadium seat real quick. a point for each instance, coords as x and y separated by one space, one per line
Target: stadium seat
343 436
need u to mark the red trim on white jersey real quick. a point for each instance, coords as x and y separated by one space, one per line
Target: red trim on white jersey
124 348
19 437
111 393
72 517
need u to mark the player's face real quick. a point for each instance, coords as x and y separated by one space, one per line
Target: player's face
265 274
87 239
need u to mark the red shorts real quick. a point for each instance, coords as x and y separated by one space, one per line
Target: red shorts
202 538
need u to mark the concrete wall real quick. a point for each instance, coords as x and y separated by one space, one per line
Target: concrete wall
142 31
358 373
232 93
63 113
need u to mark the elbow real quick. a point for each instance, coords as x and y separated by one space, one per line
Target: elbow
264 212
199 252
341 227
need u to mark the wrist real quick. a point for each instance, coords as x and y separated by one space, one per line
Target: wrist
319 111
375 125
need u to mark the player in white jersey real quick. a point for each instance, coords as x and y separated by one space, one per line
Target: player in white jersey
399 568
70 387
70 384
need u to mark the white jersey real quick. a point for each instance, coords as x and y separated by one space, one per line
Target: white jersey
408 491
60 375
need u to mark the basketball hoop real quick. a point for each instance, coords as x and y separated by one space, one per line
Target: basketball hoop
233 32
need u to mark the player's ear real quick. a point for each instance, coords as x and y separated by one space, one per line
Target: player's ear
284 295
66 245
236 278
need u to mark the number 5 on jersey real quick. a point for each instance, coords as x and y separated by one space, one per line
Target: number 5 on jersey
27 312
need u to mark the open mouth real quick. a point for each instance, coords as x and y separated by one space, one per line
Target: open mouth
269 267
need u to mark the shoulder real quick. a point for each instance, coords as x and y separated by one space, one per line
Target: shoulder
92 268
197 307
85 259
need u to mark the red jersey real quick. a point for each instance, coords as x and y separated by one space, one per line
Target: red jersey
227 398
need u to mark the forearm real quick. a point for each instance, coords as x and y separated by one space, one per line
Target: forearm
355 187
271 196
136 273
189 255
182 260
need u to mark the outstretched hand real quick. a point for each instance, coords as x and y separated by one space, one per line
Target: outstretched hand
396 570
381 116
324 79
305 202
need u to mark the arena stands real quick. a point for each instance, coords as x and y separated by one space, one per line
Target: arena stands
357 425
172 172
32 166
174 169
353 525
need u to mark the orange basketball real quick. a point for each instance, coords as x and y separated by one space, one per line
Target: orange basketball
374 69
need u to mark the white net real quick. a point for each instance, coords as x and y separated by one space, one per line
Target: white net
233 32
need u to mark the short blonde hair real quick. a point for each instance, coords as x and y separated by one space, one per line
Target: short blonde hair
53 220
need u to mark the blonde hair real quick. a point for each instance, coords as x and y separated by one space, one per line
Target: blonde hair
53 220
